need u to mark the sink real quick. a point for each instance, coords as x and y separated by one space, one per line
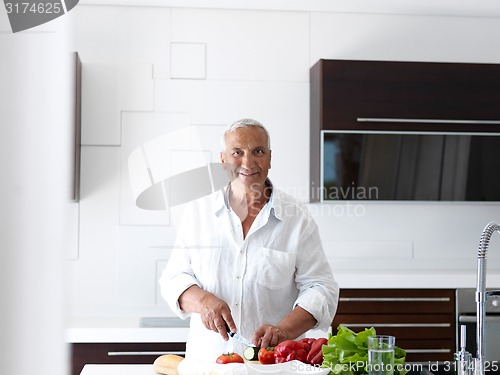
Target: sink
164 322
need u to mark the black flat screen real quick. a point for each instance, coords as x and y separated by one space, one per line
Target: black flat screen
411 166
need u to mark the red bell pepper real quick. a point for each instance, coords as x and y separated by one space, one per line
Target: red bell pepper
315 356
289 350
307 342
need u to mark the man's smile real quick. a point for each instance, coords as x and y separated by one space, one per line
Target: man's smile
247 174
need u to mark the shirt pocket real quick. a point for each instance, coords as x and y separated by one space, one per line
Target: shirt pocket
276 269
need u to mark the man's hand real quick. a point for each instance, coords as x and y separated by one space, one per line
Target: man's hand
268 335
216 315
297 322
214 312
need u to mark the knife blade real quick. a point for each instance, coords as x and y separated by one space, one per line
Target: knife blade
239 338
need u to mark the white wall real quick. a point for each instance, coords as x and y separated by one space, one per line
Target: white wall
149 70
36 216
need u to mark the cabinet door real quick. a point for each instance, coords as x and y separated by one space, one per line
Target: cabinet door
422 320
390 95
120 353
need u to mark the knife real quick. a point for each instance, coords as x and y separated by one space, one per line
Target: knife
239 338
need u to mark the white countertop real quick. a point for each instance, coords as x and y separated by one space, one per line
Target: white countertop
129 330
199 368
118 370
115 330
444 278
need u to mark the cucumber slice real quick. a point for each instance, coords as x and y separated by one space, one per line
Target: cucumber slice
251 353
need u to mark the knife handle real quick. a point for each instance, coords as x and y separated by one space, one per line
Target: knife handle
229 331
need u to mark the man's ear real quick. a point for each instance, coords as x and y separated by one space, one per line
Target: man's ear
222 160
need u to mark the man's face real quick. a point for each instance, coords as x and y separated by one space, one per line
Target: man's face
247 157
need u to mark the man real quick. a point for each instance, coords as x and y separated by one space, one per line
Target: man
248 258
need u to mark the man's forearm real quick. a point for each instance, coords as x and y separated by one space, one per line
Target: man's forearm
190 300
297 322
214 312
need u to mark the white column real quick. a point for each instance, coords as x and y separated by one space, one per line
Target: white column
36 119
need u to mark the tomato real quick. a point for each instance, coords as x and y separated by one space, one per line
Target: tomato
266 355
289 350
315 356
230 358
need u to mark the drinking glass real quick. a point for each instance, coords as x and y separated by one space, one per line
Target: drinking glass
381 355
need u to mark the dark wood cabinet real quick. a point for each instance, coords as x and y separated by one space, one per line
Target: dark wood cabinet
422 96
398 96
120 353
422 320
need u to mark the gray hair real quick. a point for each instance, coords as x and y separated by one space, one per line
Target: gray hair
244 123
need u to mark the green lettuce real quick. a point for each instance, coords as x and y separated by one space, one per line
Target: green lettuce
347 353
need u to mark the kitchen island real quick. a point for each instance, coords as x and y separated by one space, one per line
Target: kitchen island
198 368
124 340
118 370
147 369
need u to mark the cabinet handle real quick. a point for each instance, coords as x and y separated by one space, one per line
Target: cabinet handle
116 354
407 325
395 299
472 319
428 121
428 350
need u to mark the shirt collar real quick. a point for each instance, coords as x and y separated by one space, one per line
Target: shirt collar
221 202
275 204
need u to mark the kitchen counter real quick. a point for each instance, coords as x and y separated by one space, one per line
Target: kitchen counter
445 278
118 370
107 328
148 370
130 330
118 330
198 368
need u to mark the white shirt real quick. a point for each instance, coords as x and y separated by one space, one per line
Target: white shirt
280 264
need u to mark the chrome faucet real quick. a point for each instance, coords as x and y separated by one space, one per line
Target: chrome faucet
482 294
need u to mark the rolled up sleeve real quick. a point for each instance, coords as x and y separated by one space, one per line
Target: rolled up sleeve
314 301
175 279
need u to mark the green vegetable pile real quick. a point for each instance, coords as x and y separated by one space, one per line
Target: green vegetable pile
347 353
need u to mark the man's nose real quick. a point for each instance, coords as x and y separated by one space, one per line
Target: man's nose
247 160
